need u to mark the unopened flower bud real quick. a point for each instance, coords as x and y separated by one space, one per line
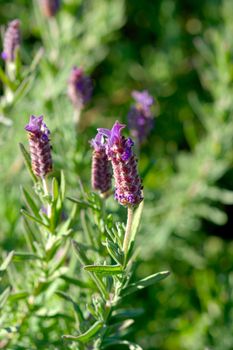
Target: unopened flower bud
39 144
128 186
11 41
101 177
80 88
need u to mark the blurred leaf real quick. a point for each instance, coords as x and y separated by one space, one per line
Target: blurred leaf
18 256
210 213
6 330
31 203
75 281
5 263
62 186
23 88
18 296
75 305
27 215
131 346
27 161
4 296
82 204
80 253
55 189
123 314
6 81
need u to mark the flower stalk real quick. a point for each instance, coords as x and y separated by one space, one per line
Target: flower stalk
128 230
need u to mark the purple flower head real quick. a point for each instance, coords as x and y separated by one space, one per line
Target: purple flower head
143 99
127 181
80 88
39 144
11 41
50 7
101 176
140 117
37 127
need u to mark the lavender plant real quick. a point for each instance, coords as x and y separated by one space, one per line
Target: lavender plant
80 89
16 79
107 325
106 254
47 237
140 117
49 7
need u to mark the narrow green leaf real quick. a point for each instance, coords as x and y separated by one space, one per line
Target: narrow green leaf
131 346
27 215
18 296
62 186
30 236
35 62
23 88
6 81
4 296
119 315
136 220
5 263
113 250
55 189
31 203
20 256
27 161
145 282
83 204
85 337
75 305
80 253
120 326
104 269
75 282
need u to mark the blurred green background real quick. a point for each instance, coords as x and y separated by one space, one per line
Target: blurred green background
182 53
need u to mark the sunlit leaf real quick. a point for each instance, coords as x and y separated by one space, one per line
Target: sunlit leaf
145 282
85 337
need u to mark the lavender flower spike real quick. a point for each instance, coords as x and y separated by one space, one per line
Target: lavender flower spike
39 144
79 88
128 186
101 177
50 7
11 41
140 117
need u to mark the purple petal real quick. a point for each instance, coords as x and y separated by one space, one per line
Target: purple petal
116 133
98 142
105 132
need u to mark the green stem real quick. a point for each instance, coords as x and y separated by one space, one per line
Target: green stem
77 116
127 237
46 193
